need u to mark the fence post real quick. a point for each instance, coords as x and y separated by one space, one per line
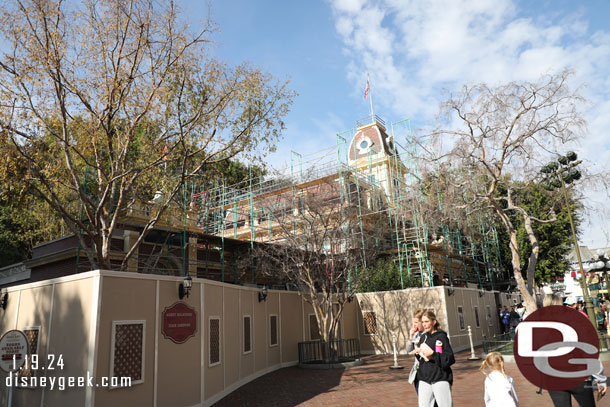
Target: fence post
472 355
395 366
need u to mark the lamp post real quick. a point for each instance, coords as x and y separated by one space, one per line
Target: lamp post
601 265
558 174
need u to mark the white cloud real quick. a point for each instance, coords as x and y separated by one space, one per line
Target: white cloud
348 6
415 49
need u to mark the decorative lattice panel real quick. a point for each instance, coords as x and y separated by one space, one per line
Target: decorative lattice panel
370 323
247 335
32 336
273 329
314 331
128 344
214 341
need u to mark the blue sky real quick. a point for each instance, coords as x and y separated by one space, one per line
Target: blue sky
414 51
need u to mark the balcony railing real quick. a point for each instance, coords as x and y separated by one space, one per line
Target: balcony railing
370 120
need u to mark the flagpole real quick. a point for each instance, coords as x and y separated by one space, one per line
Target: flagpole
371 98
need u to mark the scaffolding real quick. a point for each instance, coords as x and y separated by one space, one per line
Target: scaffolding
380 181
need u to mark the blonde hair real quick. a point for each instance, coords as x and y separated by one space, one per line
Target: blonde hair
494 361
432 317
418 313
552 299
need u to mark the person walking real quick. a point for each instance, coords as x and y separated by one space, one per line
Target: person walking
521 310
499 388
583 393
414 335
571 302
505 318
513 321
552 299
435 357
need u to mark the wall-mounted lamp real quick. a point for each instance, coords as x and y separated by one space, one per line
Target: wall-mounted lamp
262 296
184 289
481 292
450 291
3 300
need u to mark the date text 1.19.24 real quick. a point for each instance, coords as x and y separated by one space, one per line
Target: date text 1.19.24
34 362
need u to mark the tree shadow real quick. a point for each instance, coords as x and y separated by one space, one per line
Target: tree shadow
289 386
63 335
394 315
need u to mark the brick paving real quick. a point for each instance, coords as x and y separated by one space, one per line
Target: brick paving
374 384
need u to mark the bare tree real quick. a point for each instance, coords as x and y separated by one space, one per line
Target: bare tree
109 103
502 138
322 245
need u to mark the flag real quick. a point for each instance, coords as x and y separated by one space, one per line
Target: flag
165 153
366 90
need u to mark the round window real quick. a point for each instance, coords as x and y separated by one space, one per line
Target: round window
364 145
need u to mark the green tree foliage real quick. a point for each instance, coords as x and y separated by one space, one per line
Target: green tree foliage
554 238
230 172
25 220
385 276
14 246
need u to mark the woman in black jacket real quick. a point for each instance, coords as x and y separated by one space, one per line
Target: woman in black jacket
435 357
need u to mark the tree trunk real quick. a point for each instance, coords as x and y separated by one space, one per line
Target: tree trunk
533 259
528 299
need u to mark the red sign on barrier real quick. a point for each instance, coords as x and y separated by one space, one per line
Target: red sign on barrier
179 322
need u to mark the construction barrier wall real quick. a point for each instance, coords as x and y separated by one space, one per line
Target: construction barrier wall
78 317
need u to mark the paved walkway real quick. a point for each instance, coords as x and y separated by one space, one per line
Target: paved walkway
374 384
